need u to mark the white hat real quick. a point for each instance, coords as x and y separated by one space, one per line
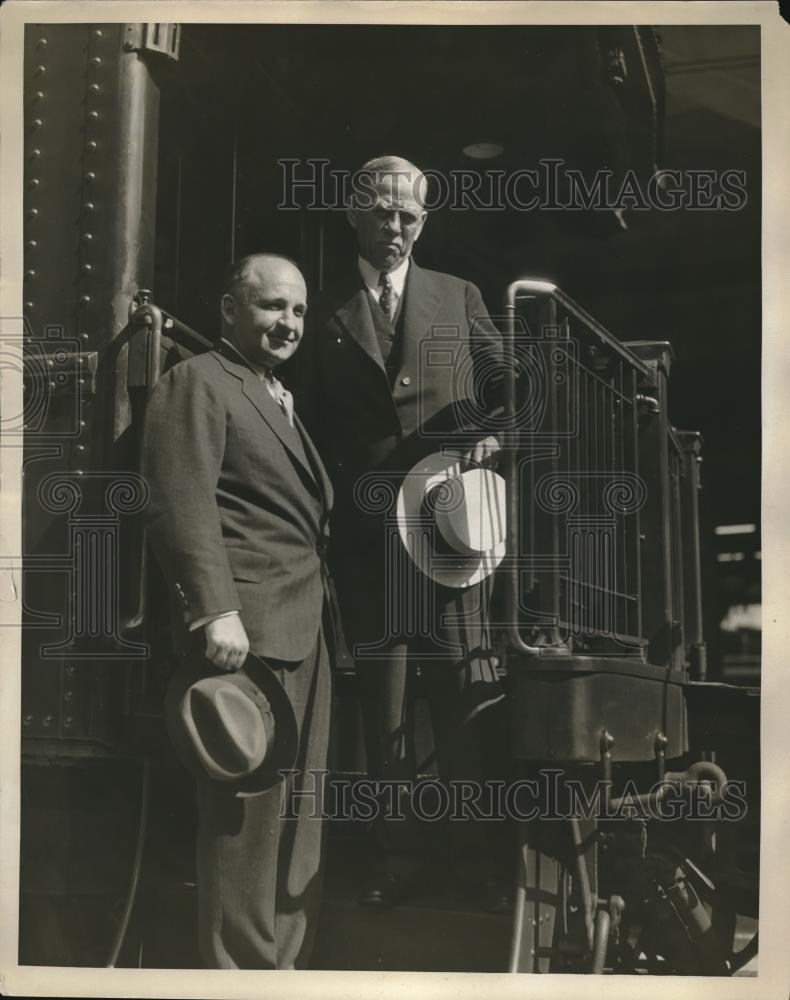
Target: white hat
451 520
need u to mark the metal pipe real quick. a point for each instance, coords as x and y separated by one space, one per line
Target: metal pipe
706 770
171 323
650 799
703 771
132 225
520 903
517 935
151 316
511 485
600 942
137 863
547 289
153 349
584 881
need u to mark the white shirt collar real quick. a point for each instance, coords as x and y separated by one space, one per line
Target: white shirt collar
371 276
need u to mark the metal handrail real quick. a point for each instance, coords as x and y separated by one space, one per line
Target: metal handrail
171 323
149 316
541 290
513 634
548 290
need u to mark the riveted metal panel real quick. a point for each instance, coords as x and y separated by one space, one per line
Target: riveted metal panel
56 63
91 133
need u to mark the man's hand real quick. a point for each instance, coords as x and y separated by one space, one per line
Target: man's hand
482 453
227 644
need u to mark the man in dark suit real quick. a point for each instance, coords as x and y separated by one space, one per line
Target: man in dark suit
238 520
396 363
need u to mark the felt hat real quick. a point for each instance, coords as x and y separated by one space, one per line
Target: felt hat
236 730
451 520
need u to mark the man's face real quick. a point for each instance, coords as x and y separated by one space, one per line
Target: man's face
387 231
264 317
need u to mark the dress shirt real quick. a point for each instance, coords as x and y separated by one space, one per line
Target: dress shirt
370 275
277 390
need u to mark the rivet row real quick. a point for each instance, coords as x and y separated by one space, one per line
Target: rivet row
91 145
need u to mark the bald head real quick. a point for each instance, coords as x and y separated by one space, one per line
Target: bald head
263 305
239 271
387 210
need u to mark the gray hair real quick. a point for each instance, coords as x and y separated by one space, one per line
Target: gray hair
374 171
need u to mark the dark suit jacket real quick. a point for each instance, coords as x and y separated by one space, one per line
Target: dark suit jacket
360 421
239 503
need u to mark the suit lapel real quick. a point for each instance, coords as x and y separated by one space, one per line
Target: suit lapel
260 397
420 303
315 461
355 316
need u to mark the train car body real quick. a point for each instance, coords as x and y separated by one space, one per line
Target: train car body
145 173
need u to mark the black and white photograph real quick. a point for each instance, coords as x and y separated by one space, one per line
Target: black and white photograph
391 417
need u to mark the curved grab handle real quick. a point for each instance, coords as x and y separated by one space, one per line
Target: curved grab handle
149 316
513 634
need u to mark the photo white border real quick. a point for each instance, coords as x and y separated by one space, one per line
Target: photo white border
773 980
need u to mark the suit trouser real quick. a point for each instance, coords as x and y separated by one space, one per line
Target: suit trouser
260 859
395 619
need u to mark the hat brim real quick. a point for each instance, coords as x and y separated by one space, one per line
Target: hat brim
456 571
285 747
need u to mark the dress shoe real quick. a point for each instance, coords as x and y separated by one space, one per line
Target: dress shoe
385 890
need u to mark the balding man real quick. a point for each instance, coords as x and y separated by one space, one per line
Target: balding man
237 518
396 354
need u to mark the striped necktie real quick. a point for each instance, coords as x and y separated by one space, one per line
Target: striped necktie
387 294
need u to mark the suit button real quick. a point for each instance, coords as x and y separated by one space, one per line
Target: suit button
406 380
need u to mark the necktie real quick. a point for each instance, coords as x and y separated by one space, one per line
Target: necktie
387 294
281 396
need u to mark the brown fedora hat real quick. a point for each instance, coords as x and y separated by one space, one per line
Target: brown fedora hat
236 730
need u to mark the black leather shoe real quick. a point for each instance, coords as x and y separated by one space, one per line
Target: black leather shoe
384 890
496 896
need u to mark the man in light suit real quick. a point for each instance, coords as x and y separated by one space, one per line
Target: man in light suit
398 359
238 520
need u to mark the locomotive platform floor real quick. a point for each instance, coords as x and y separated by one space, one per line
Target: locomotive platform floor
437 929
440 928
